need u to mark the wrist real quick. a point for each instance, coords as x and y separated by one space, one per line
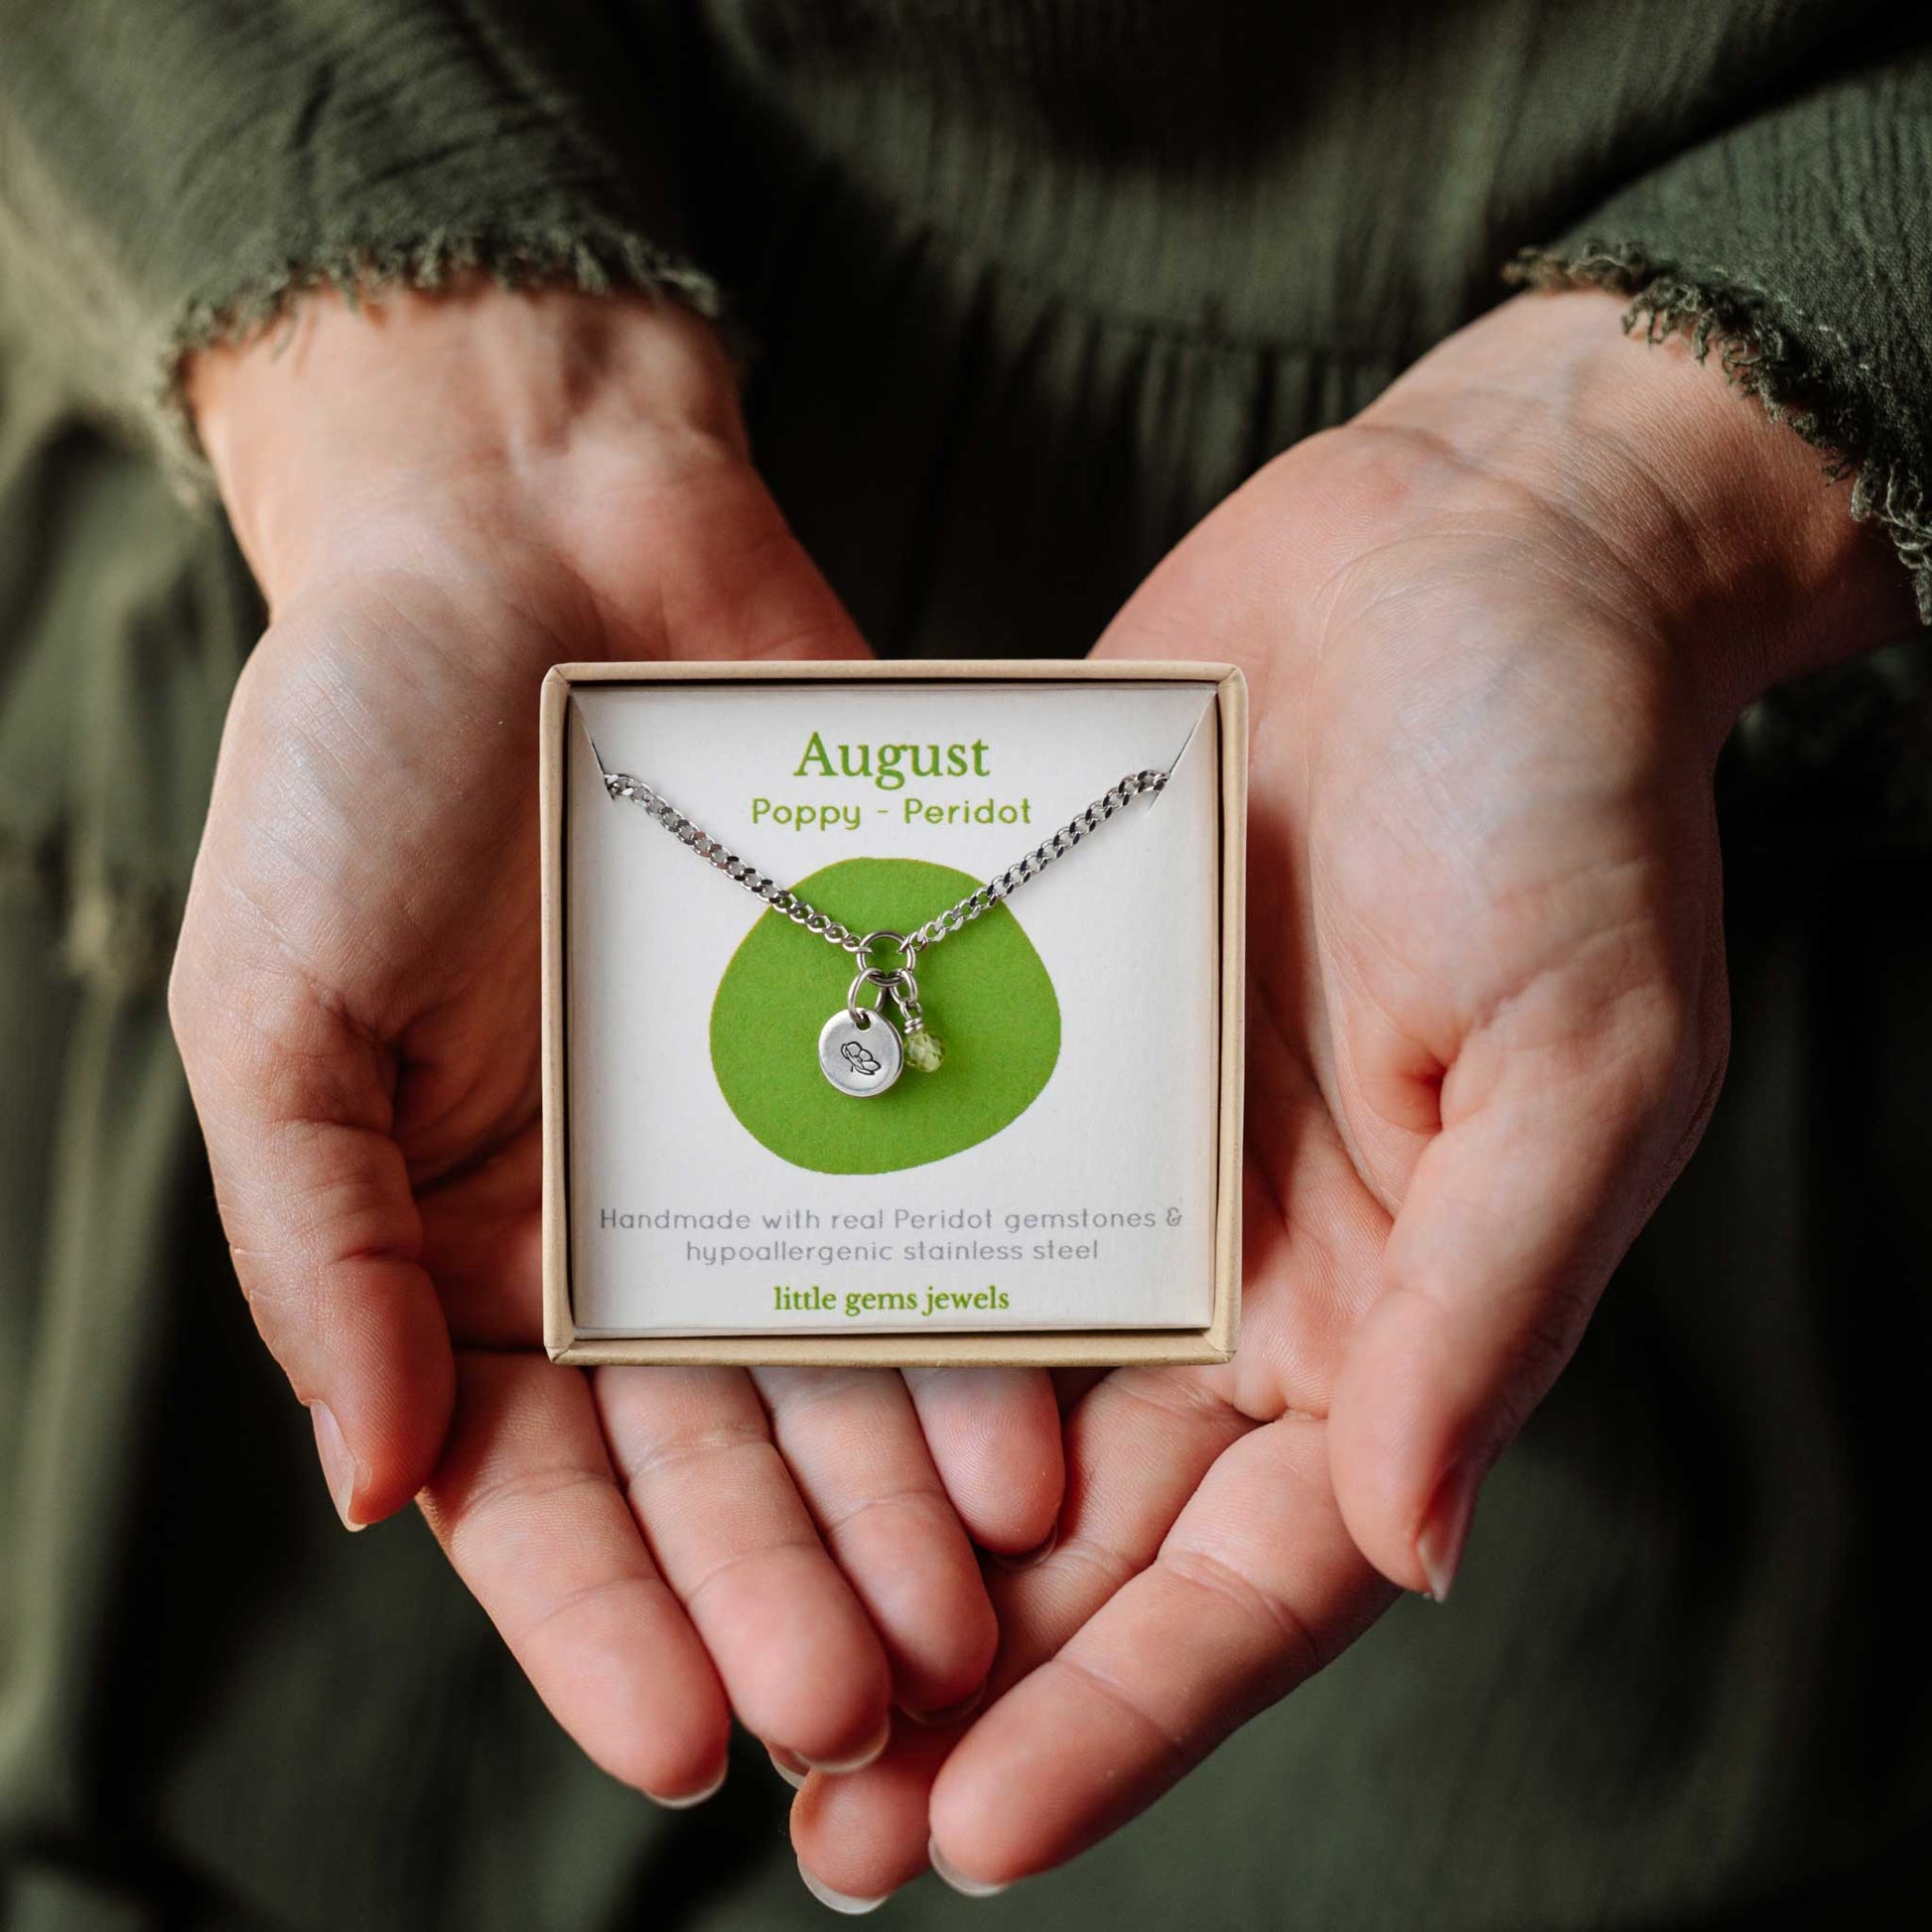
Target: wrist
1715 525
337 431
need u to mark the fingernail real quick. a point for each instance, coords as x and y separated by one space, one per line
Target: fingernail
839 1901
1028 1557
794 1770
1446 1529
951 1874
952 1715
841 1767
337 1465
711 1790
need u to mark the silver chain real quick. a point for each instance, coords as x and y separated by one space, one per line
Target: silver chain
996 890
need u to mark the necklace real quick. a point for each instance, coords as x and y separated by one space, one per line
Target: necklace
859 1051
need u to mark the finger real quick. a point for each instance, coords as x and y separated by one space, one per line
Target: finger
1553 1153
1137 1448
864 1835
994 1439
852 1444
1138 1445
529 1508
1256 1587
799 1656
322 1225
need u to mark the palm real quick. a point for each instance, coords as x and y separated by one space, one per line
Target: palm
358 1008
1485 1016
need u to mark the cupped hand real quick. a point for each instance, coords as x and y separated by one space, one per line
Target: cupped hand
1495 632
442 498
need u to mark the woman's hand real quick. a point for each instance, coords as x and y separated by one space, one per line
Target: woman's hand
1497 631
442 498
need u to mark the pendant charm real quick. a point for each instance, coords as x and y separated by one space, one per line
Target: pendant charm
860 1052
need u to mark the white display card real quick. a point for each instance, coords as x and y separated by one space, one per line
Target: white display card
1060 1163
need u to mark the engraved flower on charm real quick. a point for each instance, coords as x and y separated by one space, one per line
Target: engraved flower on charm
858 1060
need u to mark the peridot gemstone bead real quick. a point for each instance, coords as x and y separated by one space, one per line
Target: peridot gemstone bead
923 1052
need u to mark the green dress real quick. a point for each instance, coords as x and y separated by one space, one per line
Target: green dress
1025 287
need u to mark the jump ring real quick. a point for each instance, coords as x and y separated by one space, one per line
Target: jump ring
862 1017
884 936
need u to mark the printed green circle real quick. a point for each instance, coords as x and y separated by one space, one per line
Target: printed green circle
987 998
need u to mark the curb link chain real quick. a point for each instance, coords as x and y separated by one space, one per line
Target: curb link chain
996 890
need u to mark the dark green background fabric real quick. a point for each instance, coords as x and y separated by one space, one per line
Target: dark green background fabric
1028 286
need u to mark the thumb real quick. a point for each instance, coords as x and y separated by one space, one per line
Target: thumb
1552 1155
321 1220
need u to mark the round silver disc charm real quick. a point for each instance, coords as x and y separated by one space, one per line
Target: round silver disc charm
860 1059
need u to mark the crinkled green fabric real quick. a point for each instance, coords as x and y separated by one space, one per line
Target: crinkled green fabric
1029 286
1796 244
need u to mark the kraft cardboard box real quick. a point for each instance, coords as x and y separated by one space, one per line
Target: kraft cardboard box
1063 1186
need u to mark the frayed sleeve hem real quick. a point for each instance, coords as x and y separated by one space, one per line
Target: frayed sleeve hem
593 257
1797 368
